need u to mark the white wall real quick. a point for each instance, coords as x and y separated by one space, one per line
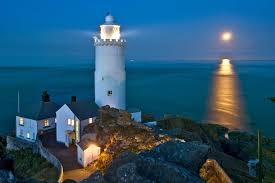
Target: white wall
41 126
29 127
136 116
110 74
85 123
62 116
88 155
80 156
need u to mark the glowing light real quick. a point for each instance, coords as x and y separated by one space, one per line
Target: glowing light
225 105
225 67
226 61
46 123
110 32
226 36
21 121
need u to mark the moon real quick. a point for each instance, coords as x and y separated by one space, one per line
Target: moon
226 36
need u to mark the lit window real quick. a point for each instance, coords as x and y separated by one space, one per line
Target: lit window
69 121
21 121
46 123
28 135
110 92
72 122
55 120
90 120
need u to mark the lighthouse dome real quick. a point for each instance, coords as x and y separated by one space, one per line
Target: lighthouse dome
109 19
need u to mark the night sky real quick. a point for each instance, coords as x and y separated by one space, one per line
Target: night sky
60 31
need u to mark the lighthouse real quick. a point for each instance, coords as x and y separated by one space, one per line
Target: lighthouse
110 75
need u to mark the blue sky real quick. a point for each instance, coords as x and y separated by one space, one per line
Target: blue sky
60 31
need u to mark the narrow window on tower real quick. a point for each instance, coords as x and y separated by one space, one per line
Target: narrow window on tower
110 92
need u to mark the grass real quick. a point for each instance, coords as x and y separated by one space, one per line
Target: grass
249 143
32 166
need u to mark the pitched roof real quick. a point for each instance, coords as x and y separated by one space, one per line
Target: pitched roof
85 143
45 111
133 110
84 109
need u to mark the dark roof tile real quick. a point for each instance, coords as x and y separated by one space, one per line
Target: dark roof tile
84 109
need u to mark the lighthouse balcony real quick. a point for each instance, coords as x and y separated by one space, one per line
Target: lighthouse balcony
109 42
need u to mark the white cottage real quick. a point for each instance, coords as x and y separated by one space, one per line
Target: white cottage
87 152
29 124
72 118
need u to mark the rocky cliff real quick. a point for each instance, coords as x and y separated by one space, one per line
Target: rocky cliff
133 152
116 133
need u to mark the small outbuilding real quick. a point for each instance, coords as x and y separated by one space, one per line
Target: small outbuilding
135 114
87 152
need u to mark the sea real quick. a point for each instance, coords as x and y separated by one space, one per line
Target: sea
234 94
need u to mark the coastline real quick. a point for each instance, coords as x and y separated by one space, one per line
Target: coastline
229 145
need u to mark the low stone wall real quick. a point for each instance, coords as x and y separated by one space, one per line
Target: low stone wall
211 171
37 147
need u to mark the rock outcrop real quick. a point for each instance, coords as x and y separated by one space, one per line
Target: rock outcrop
116 133
6 176
190 155
211 172
157 165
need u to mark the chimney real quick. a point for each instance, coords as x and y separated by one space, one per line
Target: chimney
73 99
45 96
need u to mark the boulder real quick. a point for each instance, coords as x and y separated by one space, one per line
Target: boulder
96 177
190 155
136 168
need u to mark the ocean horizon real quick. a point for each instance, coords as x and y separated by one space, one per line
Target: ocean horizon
188 88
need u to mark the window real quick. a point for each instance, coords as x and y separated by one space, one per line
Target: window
55 120
46 123
90 120
21 133
110 92
28 135
33 136
71 122
21 121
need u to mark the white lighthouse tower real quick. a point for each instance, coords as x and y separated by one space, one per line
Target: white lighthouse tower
110 75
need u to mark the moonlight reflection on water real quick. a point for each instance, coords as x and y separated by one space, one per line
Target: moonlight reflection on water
225 105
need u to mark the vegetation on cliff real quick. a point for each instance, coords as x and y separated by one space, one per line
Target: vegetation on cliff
117 132
2 147
232 154
249 144
29 166
272 99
